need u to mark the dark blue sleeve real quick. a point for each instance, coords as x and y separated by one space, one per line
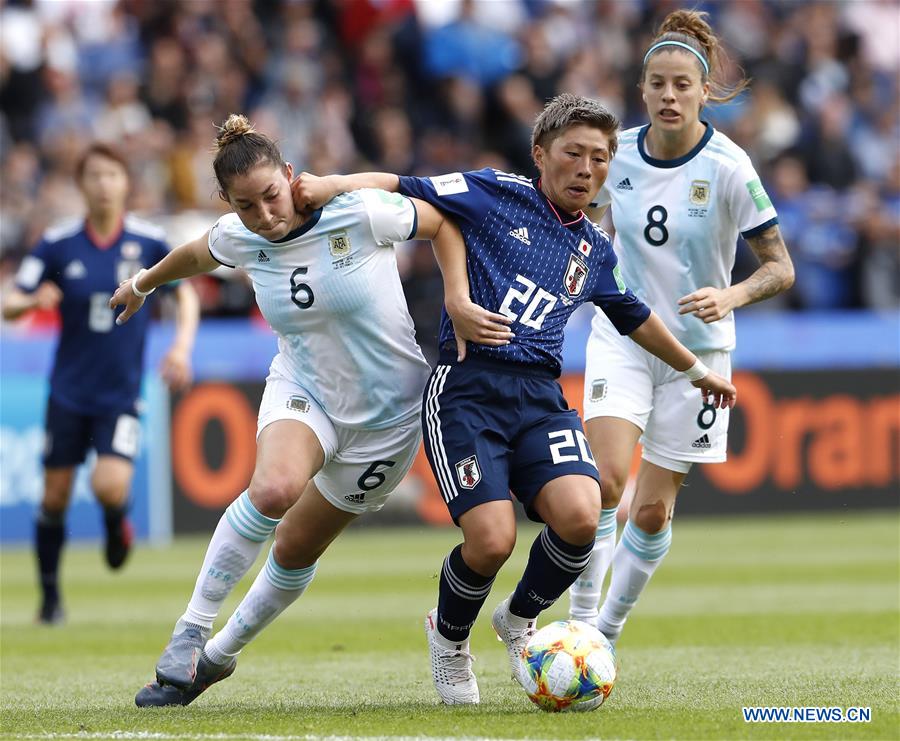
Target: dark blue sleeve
625 310
466 196
38 266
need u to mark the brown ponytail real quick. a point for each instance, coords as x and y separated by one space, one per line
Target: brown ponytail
690 27
239 148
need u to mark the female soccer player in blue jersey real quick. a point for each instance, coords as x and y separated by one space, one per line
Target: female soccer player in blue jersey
93 404
338 424
680 194
498 421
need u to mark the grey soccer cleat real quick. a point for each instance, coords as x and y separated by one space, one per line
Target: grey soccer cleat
178 664
159 695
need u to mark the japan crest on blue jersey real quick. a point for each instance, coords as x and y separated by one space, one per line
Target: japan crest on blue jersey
528 262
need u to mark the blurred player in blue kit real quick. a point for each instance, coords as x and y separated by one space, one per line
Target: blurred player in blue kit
96 377
338 424
494 418
681 193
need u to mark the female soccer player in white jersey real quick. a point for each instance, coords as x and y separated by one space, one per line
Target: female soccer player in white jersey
496 423
680 194
338 424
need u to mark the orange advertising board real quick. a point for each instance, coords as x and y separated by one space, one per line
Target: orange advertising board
798 441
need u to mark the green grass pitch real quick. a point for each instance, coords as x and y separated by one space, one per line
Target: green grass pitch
788 611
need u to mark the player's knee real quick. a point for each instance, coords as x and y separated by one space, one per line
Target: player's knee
489 553
612 485
274 495
579 525
652 518
55 500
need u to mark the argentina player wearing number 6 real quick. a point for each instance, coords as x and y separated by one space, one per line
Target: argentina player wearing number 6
494 417
338 424
680 194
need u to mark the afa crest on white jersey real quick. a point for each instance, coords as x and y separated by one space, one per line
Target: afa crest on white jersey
332 293
677 225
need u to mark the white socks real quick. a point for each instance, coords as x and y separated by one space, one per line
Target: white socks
635 559
584 594
234 546
274 589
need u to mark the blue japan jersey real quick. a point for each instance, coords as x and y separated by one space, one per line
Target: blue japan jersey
98 364
525 263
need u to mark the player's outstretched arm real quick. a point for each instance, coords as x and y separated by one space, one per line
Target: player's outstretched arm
471 322
311 191
176 368
189 259
655 338
774 275
17 302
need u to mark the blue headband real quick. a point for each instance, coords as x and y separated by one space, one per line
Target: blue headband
691 49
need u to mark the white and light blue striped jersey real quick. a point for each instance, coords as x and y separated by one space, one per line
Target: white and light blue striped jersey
528 261
677 223
331 291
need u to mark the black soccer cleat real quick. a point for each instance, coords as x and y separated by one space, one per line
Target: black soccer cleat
51 613
156 695
118 543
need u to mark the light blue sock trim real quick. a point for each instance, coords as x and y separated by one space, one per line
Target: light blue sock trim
648 546
607 524
290 580
248 521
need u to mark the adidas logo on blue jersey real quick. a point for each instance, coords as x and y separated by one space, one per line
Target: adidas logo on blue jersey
702 442
624 185
75 269
262 257
521 234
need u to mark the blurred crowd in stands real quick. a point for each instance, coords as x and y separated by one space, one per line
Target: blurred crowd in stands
433 86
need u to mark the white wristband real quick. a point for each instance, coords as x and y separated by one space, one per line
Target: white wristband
696 371
137 292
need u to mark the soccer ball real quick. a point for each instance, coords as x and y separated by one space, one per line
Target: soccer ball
568 665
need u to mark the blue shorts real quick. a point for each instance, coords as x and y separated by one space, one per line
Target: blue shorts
491 428
70 434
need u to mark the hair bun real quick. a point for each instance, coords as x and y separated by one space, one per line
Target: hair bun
234 127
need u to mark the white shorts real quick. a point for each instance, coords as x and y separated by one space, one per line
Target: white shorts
623 380
362 467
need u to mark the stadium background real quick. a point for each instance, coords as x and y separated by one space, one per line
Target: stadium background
432 87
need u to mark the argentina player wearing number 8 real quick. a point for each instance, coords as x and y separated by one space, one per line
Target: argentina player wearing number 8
494 417
338 424
680 194
97 369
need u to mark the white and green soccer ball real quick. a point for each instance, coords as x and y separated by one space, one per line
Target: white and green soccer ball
568 665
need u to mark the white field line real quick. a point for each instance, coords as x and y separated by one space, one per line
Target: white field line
157 736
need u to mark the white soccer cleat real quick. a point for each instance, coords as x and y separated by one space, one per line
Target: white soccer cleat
451 668
515 632
612 632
